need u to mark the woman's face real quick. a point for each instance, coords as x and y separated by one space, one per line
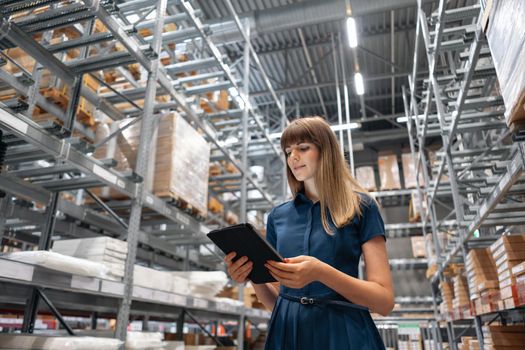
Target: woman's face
303 159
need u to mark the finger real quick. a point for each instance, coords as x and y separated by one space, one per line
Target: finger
295 259
240 262
246 267
229 257
245 275
283 266
280 273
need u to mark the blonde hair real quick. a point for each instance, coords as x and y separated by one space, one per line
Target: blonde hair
337 189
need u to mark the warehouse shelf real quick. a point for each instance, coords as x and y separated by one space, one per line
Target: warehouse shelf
70 290
70 168
482 177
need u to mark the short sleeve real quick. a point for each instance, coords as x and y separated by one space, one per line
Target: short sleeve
371 223
270 231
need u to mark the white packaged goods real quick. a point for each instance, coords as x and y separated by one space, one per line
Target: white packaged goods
506 38
19 341
92 246
389 172
180 285
106 250
144 340
204 283
174 345
366 178
60 262
153 279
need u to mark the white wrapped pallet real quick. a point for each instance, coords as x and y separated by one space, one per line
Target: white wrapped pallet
59 262
144 341
22 341
91 246
204 283
506 37
153 279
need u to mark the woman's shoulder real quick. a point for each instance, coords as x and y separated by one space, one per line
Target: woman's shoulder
367 201
282 209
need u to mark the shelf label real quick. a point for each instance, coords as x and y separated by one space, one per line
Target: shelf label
161 296
105 174
200 303
142 293
16 270
13 121
179 300
83 282
112 287
149 200
121 183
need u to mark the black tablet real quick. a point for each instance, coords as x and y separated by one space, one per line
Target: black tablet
246 241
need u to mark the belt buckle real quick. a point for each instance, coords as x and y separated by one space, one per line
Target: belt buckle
306 301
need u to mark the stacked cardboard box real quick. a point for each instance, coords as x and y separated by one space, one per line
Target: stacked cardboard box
106 250
418 246
498 337
508 251
389 172
366 178
461 301
177 169
518 272
447 293
465 343
482 278
409 171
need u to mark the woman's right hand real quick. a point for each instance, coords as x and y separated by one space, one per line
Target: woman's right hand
240 269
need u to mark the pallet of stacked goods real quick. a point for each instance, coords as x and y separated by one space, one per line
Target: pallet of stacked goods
461 301
508 252
505 40
447 293
409 171
41 342
178 169
482 279
108 251
518 272
500 337
366 177
388 171
465 343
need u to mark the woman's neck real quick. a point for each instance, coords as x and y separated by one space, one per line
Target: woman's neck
310 190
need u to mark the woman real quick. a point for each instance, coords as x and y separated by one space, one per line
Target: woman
319 302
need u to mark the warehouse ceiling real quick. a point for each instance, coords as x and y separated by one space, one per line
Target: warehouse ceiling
305 74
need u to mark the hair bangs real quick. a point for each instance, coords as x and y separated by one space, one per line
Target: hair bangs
296 132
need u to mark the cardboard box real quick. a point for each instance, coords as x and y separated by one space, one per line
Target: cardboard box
389 172
366 178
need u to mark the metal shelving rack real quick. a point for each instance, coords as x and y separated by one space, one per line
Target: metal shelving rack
484 170
74 169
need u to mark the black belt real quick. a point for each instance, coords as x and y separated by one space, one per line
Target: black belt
317 301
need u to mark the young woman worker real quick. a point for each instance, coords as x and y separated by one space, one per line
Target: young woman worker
319 302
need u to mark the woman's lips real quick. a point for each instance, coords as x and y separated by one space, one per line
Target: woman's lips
298 167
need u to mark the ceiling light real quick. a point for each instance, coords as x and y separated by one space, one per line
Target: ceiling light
359 84
351 32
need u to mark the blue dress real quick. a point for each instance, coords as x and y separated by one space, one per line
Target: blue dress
295 228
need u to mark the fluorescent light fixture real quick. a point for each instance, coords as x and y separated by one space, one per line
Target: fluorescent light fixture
277 135
359 84
345 126
351 32
405 119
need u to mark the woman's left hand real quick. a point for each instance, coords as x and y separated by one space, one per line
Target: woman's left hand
295 272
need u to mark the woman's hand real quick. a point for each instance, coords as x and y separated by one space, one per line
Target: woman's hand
296 272
240 269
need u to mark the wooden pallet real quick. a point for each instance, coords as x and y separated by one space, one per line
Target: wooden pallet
180 203
58 97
